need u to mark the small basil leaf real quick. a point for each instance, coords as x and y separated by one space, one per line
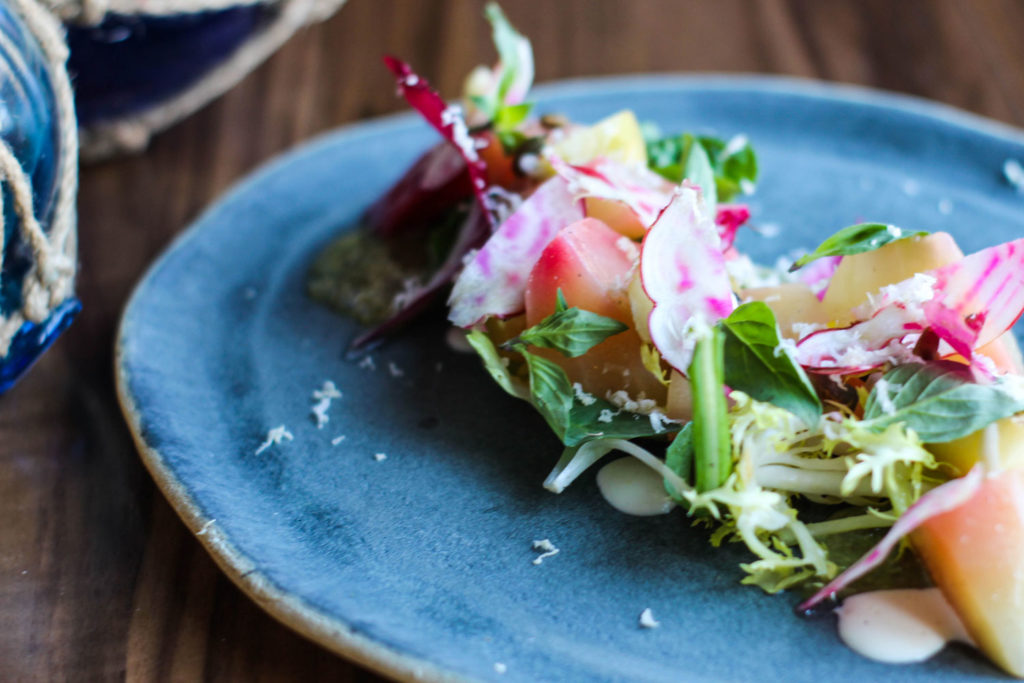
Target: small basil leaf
570 331
482 344
940 401
679 457
755 365
550 392
712 449
507 118
601 420
855 239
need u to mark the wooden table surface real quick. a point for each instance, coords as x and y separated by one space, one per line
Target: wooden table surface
99 580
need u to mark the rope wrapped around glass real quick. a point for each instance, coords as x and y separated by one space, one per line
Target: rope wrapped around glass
39 181
141 65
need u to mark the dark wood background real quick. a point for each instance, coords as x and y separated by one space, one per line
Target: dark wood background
99 580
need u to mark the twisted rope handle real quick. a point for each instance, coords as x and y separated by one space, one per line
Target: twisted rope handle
50 279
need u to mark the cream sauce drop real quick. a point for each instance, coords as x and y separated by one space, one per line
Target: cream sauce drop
899 626
632 487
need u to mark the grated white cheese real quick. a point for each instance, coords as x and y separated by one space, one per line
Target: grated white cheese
642 405
546 548
660 421
274 438
606 416
367 363
323 397
337 440
452 116
881 390
380 457
394 370
411 288
647 619
801 330
500 668
582 396
1014 174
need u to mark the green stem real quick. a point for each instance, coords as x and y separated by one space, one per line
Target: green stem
712 449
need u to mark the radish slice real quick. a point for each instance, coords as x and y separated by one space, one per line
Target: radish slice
939 500
729 218
967 304
494 279
979 297
446 120
645 192
818 273
682 269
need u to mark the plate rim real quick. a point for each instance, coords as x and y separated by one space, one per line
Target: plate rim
331 632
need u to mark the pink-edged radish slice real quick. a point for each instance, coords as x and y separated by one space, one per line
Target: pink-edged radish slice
495 277
645 192
978 298
968 304
682 269
939 500
729 218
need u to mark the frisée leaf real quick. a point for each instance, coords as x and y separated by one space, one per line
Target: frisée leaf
855 239
757 365
939 401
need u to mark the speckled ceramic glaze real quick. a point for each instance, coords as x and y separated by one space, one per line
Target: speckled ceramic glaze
29 124
421 564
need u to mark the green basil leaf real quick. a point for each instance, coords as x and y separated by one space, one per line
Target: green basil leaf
735 163
711 445
507 118
855 239
755 365
482 344
698 171
599 419
550 392
575 421
679 457
570 331
940 401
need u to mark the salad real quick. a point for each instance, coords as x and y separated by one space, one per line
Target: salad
829 415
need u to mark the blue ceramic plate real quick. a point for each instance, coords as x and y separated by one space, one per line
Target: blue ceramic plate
420 565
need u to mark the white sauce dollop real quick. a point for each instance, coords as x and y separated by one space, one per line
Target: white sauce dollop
899 626
632 487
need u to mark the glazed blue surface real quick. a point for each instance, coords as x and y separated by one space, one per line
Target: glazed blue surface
129 63
29 125
429 552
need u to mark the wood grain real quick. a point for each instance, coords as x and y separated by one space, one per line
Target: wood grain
98 578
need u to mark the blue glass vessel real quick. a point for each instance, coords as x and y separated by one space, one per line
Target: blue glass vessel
29 124
127 64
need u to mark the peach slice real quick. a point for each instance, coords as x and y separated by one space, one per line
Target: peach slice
862 274
975 554
791 302
592 265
